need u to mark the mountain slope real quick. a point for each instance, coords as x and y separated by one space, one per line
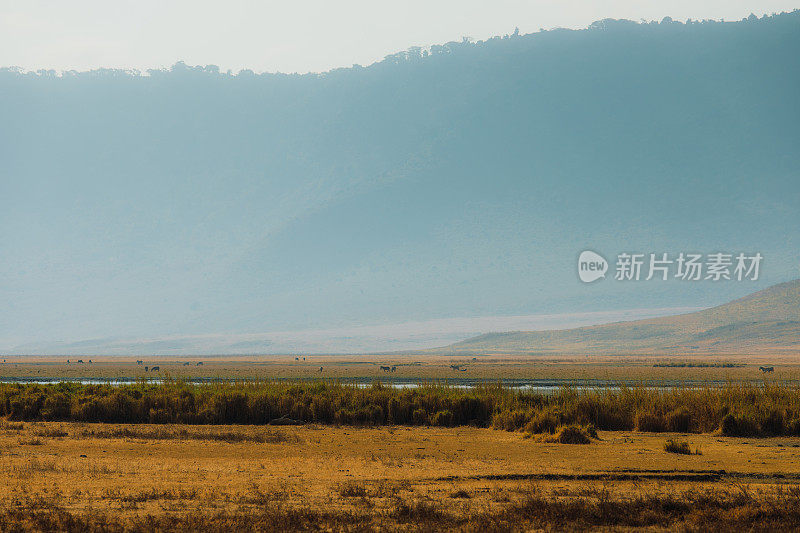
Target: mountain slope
457 183
766 321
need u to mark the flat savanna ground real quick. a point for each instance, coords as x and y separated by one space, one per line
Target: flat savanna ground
110 477
379 477
407 367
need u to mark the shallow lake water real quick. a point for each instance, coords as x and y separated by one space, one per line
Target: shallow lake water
547 386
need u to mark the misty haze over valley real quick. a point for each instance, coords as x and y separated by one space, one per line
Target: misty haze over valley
440 188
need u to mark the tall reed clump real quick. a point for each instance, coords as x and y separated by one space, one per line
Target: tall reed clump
735 409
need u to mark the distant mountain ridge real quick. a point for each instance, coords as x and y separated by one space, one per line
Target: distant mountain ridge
460 181
767 321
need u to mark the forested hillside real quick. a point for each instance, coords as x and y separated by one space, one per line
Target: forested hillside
457 181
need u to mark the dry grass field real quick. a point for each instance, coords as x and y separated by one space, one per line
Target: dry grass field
85 477
408 368
364 473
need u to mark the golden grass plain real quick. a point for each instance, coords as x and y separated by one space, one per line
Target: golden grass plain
70 476
134 475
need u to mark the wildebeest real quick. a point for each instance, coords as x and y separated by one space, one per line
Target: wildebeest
320 369
199 363
767 368
185 364
394 368
145 369
155 368
139 362
80 360
296 358
385 368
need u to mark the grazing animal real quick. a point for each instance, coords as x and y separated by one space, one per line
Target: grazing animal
455 367
394 368
320 369
67 361
285 421
767 368
296 358
199 363
145 369
139 362
185 364
80 360
385 368
155 368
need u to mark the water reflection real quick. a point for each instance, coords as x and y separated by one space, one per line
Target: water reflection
547 386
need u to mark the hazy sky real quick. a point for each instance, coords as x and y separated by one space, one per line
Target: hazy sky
297 35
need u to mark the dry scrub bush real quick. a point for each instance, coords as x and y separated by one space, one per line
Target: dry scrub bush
673 446
572 435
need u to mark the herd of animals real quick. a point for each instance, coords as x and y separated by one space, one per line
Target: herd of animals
459 368
140 363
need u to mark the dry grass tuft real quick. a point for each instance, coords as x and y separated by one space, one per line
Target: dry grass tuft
51 432
352 489
572 434
682 448
32 441
262 435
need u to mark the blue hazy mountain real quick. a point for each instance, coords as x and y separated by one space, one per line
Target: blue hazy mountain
458 181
